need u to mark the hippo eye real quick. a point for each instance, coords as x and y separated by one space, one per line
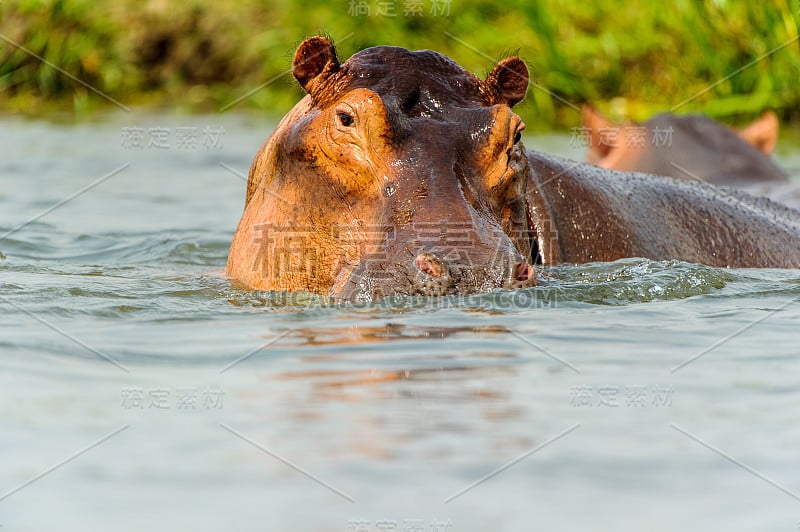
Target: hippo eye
517 137
345 119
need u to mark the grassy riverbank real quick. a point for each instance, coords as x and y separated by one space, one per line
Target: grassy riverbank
634 57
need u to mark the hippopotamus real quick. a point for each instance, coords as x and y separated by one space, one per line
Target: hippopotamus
686 147
400 173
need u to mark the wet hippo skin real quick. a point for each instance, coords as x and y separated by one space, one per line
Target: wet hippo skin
582 213
400 173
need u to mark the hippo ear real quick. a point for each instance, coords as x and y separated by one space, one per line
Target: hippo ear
593 122
509 80
315 59
763 133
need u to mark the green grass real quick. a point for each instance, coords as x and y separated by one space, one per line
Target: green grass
632 57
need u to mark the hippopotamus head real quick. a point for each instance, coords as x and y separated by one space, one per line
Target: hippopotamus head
398 173
686 147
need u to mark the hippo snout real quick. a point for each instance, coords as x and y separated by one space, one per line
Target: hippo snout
434 276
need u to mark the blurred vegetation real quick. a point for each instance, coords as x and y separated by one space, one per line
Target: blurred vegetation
631 57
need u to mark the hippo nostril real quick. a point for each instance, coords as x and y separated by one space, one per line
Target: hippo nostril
523 272
429 264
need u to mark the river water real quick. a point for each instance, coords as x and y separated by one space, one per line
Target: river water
139 390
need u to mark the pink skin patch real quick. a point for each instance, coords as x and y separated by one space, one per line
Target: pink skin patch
524 272
427 263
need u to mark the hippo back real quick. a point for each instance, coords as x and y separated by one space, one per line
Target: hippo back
704 149
582 213
692 147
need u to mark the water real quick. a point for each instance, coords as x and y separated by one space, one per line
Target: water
139 390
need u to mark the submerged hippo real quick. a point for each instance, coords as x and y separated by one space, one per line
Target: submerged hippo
402 173
686 147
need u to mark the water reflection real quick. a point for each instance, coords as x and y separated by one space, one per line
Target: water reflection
395 386
387 333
